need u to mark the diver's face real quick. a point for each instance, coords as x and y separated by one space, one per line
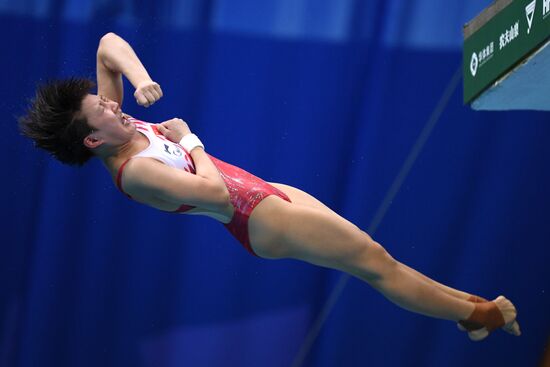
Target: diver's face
106 120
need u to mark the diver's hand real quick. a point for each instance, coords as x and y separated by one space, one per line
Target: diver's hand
147 92
174 129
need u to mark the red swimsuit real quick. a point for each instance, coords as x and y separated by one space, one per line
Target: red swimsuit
245 190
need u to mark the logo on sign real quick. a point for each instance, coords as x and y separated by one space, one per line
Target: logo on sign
481 58
530 13
474 62
545 8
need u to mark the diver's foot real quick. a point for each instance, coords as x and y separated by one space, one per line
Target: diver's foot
474 299
488 316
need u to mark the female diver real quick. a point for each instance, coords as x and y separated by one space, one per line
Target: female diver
166 167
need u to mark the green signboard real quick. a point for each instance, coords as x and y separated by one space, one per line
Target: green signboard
504 40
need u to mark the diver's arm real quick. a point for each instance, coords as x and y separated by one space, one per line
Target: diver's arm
146 178
174 130
116 56
109 82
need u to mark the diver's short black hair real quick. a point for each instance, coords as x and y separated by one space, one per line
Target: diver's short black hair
54 122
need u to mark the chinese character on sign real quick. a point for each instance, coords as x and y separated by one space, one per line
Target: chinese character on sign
508 36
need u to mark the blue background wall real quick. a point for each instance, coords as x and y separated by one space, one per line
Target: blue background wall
328 96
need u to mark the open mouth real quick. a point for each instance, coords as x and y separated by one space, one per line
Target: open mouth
123 119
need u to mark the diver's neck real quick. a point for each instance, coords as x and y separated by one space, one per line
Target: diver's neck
122 152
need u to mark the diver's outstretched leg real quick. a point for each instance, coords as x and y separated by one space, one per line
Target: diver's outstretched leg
282 229
300 197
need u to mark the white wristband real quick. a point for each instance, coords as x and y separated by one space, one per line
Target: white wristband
190 142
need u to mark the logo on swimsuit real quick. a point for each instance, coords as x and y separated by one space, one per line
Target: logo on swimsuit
175 150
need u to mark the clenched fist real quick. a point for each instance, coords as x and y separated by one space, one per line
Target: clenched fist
174 129
147 93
